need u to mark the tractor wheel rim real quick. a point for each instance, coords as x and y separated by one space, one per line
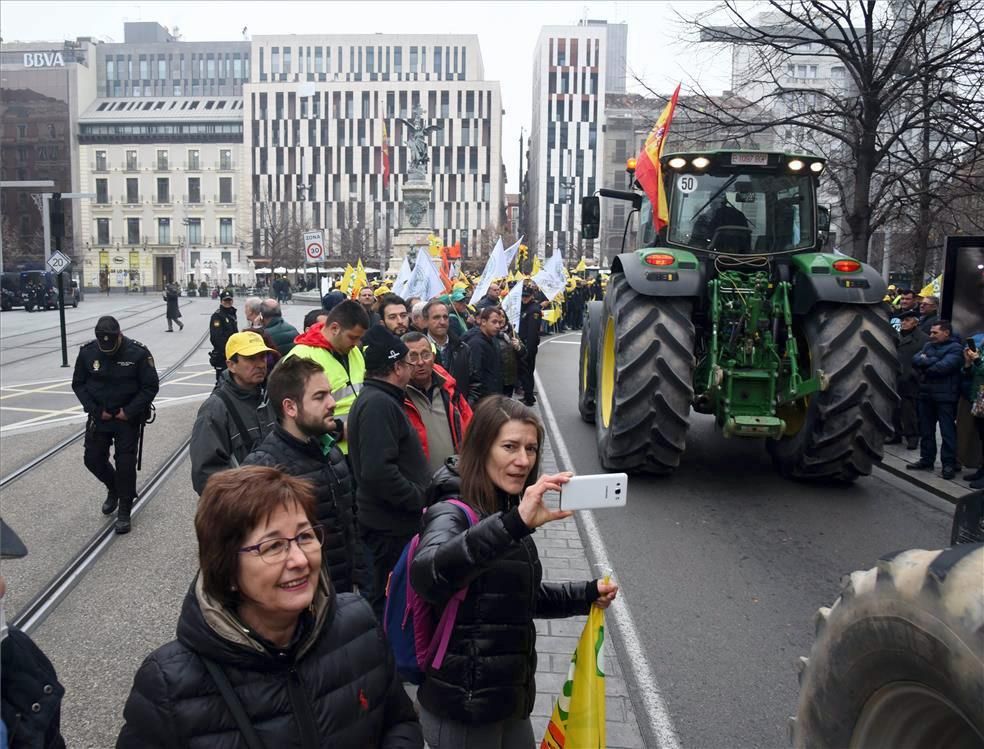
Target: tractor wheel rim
607 384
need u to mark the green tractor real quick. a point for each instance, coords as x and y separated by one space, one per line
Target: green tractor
734 310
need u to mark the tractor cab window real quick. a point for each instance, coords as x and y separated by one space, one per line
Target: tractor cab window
742 213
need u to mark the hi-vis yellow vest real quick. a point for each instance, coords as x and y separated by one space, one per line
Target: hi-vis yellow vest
345 386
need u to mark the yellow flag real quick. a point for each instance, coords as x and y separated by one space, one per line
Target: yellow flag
536 266
360 279
346 283
581 266
933 288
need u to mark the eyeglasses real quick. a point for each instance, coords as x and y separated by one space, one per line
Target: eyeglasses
276 550
416 357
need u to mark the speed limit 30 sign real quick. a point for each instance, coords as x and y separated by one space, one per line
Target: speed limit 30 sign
314 246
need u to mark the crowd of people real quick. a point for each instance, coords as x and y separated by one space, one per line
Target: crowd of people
937 369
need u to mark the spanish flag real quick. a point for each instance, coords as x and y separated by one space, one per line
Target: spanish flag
647 165
385 158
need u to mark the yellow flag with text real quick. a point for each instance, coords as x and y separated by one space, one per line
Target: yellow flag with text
578 719
345 285
359 279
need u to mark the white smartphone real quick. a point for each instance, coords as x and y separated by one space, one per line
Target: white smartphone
595 492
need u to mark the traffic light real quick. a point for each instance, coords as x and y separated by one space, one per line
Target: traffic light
56 214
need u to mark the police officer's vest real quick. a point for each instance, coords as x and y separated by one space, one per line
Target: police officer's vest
345 385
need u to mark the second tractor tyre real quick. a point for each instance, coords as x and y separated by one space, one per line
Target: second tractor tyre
840 432
899 658
644 380
588 360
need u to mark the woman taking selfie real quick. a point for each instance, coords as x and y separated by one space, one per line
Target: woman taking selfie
482 695
267 654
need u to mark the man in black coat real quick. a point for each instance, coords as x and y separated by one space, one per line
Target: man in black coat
387 457
491 298
221 325
116 382
938 366
303 445
486 361
451 353
906 416
172 295
929 313
530 315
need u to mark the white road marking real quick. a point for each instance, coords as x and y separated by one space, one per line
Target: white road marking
555 340
657 715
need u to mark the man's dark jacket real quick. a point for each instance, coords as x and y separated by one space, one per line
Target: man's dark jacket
928 321
938 367
390 468
334 493
333 686
282 333
125 379
30 694
488 673
909 344
221 325
217 442
456 360
486 365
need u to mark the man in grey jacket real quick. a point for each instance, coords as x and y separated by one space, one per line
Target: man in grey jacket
235 417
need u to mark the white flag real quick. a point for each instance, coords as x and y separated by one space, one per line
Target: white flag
511 252
512 305
403 277
551 278
425 281
495 267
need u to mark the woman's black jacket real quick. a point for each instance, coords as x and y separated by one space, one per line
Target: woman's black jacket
488 673
334 686
334 492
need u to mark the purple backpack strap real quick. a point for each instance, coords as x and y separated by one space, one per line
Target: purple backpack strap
442 634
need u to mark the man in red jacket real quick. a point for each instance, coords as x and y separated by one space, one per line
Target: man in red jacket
435 407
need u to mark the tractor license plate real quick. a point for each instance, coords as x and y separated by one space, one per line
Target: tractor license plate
749 159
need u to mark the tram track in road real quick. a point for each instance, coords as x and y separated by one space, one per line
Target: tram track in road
126 322
37 609
144 307
72 439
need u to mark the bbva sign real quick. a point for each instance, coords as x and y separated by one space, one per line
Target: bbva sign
43 60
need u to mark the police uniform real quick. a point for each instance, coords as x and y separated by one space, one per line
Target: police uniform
221 325
530 315
107 383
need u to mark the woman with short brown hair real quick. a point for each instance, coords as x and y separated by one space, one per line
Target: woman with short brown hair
263 634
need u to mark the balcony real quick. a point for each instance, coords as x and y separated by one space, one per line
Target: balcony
192 167
106 205
199 203
219 201
129 202
162 200
97 167
161 166
131 166
225 167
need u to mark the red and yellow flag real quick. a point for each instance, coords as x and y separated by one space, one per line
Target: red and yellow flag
647 165
385 158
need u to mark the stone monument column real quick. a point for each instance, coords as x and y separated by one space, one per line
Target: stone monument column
416 217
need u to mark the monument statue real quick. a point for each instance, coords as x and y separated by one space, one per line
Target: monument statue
417 141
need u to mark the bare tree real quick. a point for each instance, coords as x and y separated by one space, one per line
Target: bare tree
870 124
281 233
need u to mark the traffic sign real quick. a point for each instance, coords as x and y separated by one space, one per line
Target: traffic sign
58 261
314 246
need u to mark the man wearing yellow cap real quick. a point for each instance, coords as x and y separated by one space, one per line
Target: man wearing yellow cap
235 417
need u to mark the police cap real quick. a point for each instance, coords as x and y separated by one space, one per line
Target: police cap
107 333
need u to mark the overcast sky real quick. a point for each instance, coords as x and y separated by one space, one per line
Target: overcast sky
660 52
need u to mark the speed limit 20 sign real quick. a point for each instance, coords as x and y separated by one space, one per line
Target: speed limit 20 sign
314 246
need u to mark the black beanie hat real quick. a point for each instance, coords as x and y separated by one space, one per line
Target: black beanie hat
381 348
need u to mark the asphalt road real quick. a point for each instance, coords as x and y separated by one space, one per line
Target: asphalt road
724 564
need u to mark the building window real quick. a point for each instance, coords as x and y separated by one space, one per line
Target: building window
161 69
437 61
225 232
193 161
101 161
287 60
319 60
102 191
144 68
162 161
225 189
196 258
133 231
163 190
837 72
413 59
131 161
225 159
194 231
398 60
102 231
163 231
132 191
194 189
274 61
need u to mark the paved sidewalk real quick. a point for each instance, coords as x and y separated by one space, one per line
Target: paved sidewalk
896 458
563 558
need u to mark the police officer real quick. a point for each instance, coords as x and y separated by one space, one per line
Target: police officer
116 381
222 325
530 314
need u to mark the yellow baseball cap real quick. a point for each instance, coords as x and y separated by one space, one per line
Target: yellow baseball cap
245 343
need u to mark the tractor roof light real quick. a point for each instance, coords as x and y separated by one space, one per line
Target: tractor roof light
630 165
677 162
701 162
660 259
816 167
795 165
847 266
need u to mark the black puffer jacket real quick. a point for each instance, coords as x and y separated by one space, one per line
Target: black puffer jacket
334 492
30 694
486 365
488 673
336 685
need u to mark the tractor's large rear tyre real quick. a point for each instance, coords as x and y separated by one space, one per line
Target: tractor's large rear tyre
899 658
587 376
841 431
644 380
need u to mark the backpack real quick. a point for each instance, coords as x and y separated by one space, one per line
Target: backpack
417 635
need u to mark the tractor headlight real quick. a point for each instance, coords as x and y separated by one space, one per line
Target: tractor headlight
816 167
795 165
701 162
677 162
